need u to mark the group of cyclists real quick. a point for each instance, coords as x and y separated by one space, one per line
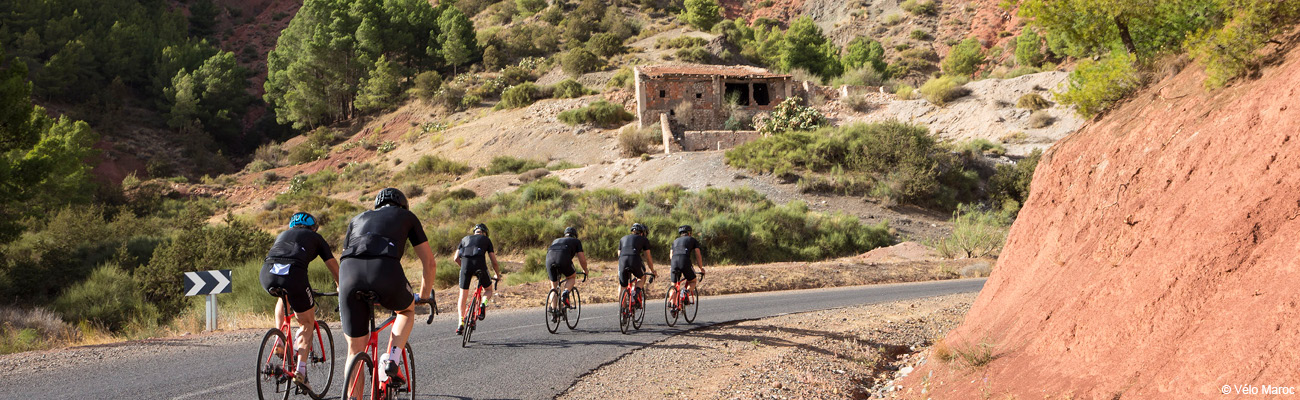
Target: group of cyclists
371 262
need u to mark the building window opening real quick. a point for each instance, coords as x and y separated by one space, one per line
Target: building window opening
699 95
737 93
761 95
663 93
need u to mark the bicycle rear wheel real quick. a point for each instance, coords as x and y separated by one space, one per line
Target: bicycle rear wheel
320 360
692 305
359 379
552 310
639 312
470 321
572 315
670 317
272 374
624 310
406 391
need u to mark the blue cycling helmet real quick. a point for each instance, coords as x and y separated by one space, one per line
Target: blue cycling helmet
302 219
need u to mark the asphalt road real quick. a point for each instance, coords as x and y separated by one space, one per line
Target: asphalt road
512 356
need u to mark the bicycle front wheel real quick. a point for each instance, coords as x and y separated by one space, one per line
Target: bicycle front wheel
272 372
320 360
670 312
470 318
692 305
552 311
572 315
624 310
359 379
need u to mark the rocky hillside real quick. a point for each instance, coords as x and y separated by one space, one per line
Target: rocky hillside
1154 259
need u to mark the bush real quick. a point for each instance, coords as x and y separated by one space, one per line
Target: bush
892 19
981 147
306 152
199 247
964 58
1040 119
866 76
905 92
601 113
509 165
579 61
1009 185
529 7
449 98
1029 51
697 55
944 89
605 44
680 42
1233 48
1032 102
622 79
1096 85
701 14
920 7
858 103
975 233
109 298
790 116
633 142
432 164
920 34
568 89
534 174
520 95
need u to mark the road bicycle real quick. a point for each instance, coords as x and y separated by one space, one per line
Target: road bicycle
475 313
679 302
555 311
361 380
631 311
278 358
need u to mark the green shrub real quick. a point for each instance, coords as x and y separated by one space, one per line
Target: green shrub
109 298
892 19
905 92
697 55
198 247
1033 102
920 34
622 79
680 42
701 14
981 146
791 116
600 112
920 7
633 142
579 61
975 233
1021 71
606 44
529 7
1096 85
520 95
866 76
964 58
568 89
1233 48
509 165
1029 51
432 164
858 103
1040 119
1009 185
944 89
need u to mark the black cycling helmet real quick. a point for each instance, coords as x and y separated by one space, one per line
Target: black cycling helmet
638 228
390 196
571 232
302 219
480 228
683 229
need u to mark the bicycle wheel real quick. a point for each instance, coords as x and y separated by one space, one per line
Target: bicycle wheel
670 317
552 311
320 361
470 318
692 305
359 379
624 310
406 391
572 315
639 311
272 378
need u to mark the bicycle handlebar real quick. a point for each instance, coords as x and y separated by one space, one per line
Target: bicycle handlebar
315 293
652 278
584 277
433 306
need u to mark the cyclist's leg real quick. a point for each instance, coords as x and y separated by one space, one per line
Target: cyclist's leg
485 281
354 313
395 294
306 329
462 301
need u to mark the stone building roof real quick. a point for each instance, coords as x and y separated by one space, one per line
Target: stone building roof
726 71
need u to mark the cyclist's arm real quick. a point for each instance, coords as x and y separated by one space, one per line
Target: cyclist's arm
699 259
430 270
456 257
333 265
649 260
582 258
493 256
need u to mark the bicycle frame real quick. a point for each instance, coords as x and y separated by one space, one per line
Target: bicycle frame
372 347
291 351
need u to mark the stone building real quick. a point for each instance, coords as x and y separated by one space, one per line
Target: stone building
704 91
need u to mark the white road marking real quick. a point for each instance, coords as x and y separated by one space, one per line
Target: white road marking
204 393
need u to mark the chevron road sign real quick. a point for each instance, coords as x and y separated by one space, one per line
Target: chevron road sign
207 282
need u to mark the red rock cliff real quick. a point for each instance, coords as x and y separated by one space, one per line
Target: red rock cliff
1158 256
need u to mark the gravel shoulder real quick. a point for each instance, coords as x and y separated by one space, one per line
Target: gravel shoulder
850 352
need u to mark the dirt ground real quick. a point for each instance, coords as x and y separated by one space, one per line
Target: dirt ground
831 354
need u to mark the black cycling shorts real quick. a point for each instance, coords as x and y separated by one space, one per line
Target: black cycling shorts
474 267
629 266
558 271
382 275
295 283
682 269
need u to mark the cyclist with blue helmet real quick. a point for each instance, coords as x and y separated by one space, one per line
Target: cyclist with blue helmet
286 267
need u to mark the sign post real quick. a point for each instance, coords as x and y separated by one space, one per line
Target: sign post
208 283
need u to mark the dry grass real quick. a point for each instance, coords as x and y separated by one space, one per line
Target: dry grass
634 142
1040 119
1033 101
977 356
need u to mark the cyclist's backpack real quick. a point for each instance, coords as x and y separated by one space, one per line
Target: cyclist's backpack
370 245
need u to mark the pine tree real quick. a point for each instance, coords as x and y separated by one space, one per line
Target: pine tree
457 38
382 88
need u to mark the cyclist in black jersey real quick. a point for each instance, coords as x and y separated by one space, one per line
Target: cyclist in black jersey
559 261
286 267
684 249
473 254
632 250
372 261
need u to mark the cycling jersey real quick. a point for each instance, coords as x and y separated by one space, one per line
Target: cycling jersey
380 233
286 265
633 245
559 257
683 249
473 260
630 264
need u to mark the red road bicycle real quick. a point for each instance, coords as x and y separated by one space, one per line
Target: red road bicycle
570 311
475 313
362 380
278 357
679 302
631 311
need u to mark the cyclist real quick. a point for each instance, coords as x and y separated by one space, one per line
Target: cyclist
472 255
286 267
682 251
559 261
632 249
372 261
